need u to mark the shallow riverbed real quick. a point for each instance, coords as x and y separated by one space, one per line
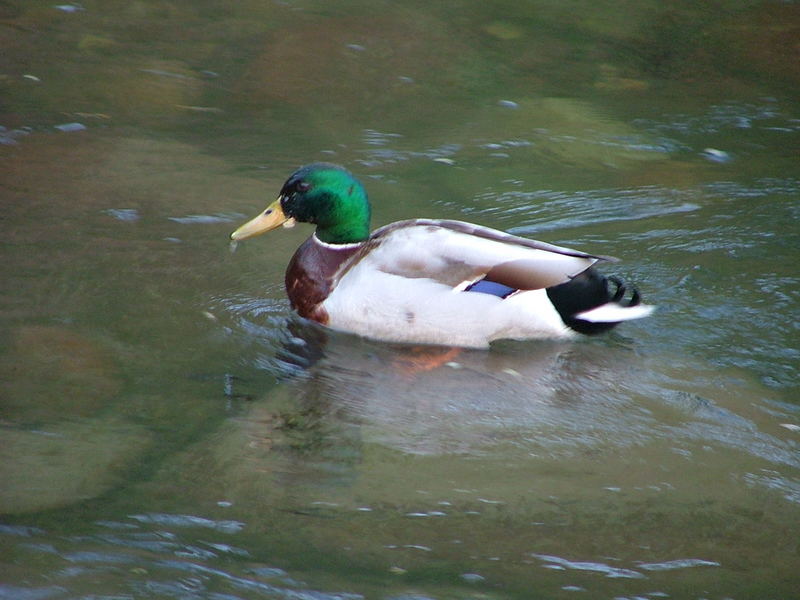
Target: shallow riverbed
169 430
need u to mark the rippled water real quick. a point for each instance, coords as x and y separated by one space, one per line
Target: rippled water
169 430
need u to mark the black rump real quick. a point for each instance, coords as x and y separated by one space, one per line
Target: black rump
584 292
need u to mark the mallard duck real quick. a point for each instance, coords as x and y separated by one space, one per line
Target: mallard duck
431 281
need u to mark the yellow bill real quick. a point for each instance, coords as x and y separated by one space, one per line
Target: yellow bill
272 218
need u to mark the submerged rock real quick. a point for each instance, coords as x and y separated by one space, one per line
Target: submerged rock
65 463
53 372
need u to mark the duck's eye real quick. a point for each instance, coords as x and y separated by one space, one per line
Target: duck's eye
303 186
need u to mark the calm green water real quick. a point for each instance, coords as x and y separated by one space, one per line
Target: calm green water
169 430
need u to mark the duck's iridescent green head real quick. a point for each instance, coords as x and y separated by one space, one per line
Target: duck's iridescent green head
331 198
324 194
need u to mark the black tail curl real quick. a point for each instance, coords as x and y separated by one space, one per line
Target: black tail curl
586 291
619 294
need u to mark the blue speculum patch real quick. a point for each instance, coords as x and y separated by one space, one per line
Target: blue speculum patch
484 286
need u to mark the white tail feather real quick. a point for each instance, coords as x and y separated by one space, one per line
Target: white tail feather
611 312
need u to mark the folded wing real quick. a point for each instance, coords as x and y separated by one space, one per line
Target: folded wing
458 254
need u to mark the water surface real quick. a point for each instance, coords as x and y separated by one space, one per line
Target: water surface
170 430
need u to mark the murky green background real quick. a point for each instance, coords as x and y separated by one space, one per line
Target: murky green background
170 431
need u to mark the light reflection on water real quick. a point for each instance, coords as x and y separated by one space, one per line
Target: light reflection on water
581 208
766 115
133 559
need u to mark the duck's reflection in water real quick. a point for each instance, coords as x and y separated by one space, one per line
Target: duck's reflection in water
550 397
